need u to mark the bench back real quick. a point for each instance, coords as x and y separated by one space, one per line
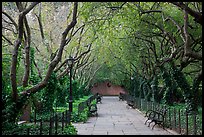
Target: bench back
125 96
162 113
163 110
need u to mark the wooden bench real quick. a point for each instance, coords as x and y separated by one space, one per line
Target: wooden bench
156 116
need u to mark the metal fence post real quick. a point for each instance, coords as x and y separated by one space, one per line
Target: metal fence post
194 123
186 122
170 118
175 118
179 121
40 126
28 131
50 128
56 124
62 121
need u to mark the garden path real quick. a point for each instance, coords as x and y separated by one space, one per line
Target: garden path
115 118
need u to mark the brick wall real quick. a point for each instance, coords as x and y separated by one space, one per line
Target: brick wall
106 88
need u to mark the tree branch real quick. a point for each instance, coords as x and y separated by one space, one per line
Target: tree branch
197 15
89 49
114 7
40 22
187 49
150 11
56 60
176 24
11 19
7 39
17 43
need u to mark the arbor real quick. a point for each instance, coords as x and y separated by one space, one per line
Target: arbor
138 40
150 36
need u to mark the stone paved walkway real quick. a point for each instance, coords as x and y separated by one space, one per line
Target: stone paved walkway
115 118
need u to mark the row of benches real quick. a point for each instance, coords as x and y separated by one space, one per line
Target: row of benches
157 116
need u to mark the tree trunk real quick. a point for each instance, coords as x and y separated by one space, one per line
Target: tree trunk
15 50
27 55
14 59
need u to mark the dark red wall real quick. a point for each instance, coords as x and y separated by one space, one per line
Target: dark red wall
106 88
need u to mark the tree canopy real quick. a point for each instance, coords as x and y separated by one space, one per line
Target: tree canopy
115 41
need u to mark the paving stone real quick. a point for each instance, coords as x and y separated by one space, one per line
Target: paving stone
114 118
115 132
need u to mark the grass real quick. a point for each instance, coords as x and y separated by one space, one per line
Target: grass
75 104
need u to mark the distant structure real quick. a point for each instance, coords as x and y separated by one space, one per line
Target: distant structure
106 88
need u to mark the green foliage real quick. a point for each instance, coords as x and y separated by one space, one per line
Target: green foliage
135 86
8 106
34 79
61 96
55 94
119 38
170 85
70 130
145 91
6 59
82 91
82 117
75 88
55 97
191 104
50 90
155 89
10 129
8 111
22 129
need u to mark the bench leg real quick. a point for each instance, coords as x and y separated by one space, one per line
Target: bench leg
94 113
163 125
146 121
99 101
153 126
158 124
150 123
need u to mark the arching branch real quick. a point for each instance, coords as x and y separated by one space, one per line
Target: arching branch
7 39
56 60
40 22
187 49
17 43
11 19
197 15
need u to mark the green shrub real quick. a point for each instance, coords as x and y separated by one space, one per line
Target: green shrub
34 129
